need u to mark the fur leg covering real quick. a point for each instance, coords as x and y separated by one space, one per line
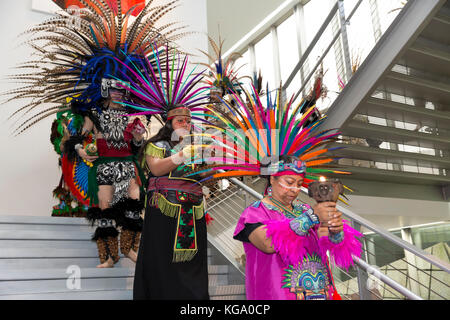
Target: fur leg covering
129 211
129 240
106 234
129 214
102 218
107 248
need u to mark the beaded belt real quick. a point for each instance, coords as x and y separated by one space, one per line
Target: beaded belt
164 183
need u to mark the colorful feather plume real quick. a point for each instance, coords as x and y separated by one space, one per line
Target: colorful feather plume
253 136
75 49
158 92
222 74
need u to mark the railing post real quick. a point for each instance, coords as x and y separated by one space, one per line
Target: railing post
362 277
376 25
413 275
252 57
276 56
246 195
346 67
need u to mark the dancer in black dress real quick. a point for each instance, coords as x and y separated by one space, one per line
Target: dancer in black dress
172 258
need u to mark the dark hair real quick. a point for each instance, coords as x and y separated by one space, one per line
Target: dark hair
165 133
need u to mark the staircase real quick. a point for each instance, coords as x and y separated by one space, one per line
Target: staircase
437 279
53 258
391 110
397 123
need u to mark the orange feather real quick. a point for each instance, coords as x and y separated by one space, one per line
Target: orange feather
318 162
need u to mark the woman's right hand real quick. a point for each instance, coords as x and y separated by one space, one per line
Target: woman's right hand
325 211
83 155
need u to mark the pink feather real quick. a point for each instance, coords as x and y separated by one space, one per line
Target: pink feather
291 247
342 253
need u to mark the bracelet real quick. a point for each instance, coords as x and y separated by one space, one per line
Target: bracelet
300 225
78 146
312 216
336 237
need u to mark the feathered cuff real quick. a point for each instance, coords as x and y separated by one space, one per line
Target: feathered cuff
129 214
94 214
291 247
69 146
105 233
342 253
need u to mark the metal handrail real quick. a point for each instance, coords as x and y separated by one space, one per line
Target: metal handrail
371 226
371 270
396 240
384 233
335 38
311 46
389 265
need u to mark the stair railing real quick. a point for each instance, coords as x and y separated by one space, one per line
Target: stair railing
357 221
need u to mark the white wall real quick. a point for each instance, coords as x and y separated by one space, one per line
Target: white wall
236 18
28 165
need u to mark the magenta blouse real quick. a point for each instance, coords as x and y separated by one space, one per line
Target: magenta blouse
299 269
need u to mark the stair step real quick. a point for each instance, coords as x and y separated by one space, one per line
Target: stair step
232 297
42 220
44 235
227 290
40 287
39 253
93 295
35 253
54 274
63 244
74 295
57 263
61 285
218 269
46 227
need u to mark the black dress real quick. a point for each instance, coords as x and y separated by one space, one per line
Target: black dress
172 259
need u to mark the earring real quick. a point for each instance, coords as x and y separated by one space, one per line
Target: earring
269 191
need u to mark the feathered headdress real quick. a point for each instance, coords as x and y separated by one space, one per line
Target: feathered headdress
77 49
222 75
255 139
168 91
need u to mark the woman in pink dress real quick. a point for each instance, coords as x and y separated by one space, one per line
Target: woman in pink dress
286 246
286 242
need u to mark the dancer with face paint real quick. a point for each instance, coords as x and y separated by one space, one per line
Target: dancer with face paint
172 259
76 56
285 241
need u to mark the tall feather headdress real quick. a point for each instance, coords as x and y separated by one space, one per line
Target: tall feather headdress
167 91
223 73
75 50
253 138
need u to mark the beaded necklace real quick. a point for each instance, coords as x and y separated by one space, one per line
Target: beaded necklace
290 214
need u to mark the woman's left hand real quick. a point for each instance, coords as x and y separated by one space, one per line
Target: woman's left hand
336 224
